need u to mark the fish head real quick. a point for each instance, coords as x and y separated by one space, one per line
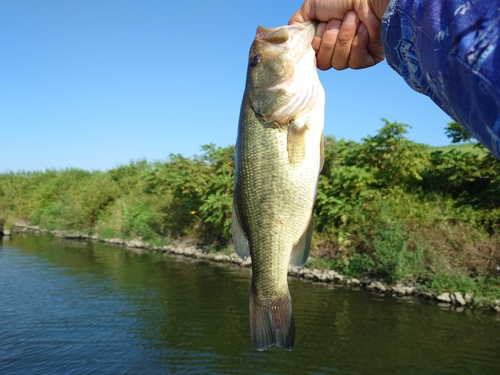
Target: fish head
282 74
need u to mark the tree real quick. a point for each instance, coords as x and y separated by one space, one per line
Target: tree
457 133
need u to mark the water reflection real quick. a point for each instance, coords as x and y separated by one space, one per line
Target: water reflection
81 307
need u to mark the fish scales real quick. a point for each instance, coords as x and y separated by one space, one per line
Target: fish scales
278 160
273 192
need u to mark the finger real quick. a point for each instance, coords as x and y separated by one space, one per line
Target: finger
328 41
359 57
346 34
320 30
376 50
375 47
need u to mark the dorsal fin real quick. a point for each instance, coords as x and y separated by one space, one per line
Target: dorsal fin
321 153
240 239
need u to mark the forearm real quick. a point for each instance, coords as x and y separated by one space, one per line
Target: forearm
447 50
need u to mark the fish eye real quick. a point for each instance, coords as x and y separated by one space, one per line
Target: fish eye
255 59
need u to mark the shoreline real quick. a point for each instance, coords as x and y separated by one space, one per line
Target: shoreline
455 301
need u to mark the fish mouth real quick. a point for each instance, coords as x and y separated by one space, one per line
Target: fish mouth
290 85
278 35
295 39
297 82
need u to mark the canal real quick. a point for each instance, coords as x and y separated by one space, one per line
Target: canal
77 307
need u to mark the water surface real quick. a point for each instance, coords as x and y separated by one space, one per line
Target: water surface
69 307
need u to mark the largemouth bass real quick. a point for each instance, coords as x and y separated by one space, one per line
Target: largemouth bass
279 155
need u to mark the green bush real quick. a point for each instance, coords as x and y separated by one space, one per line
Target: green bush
386 206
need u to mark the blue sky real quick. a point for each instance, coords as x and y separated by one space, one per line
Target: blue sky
97 83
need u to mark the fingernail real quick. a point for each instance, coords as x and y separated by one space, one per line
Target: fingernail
320 29
361 28
334 25
350 18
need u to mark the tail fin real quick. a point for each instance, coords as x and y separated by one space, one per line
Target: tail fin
271 322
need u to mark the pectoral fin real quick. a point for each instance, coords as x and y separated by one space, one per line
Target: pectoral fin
300 251
240 239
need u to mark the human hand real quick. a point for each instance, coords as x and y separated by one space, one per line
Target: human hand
348 33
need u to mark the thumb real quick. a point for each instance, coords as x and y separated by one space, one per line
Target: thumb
299 17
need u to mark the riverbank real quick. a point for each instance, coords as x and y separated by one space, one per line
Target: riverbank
453 300
387 209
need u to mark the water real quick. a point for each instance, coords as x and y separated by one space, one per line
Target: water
69 307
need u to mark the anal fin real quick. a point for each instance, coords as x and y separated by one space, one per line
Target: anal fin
302 248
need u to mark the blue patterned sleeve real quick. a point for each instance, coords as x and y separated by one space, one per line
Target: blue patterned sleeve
448 50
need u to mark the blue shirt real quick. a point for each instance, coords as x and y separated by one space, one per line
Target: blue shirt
448 50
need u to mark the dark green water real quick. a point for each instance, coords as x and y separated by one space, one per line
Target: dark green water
70 307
